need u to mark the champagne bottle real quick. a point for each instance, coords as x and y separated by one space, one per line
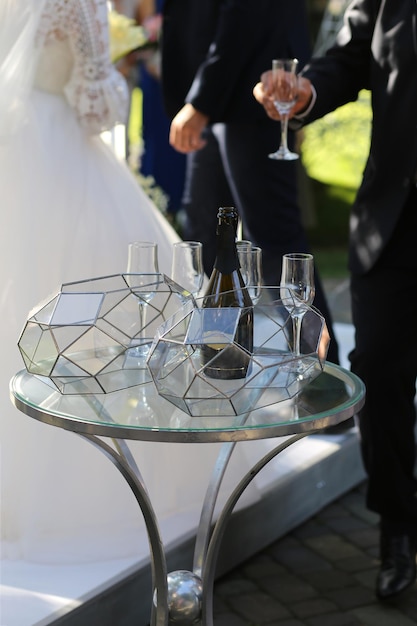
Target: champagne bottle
227 289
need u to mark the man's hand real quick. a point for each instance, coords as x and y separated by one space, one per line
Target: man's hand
264 95
186 129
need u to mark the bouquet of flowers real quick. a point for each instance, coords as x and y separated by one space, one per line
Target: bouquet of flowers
126 36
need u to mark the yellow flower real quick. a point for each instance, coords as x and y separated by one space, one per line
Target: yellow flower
125 36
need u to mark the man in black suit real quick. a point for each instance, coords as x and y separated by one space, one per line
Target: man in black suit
212 54
377 49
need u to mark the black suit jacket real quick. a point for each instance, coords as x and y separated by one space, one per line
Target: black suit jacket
376 50
214 51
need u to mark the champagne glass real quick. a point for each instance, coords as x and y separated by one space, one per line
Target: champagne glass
250 259
255 281
243 248
187 265
143 262
284 82
297 290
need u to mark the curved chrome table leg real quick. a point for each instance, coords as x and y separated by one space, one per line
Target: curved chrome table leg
207 510
122 458
209 564
210 499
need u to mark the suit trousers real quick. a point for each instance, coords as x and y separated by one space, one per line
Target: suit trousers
384 309
233 169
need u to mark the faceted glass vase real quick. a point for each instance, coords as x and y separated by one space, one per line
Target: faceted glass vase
85 339
274 373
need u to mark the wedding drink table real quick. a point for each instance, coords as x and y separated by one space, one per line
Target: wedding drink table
183 596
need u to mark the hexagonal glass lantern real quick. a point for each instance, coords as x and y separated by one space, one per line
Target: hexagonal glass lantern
179 367
94 336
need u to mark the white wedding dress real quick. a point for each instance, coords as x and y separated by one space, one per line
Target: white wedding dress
68 210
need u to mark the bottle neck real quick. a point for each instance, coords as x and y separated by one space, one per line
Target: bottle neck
226 257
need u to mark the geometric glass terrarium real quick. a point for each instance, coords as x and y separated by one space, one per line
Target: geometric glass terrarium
93 336
274 373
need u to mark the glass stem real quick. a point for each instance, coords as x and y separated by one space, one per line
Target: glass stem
284 132
142 320
297 321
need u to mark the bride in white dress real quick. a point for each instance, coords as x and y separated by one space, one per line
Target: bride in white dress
68 211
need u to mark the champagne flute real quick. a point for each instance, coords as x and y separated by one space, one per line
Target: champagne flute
143 262
297 290
250 259
243 247
284 81
256 275
187 265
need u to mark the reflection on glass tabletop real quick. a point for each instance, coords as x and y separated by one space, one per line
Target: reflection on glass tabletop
140 413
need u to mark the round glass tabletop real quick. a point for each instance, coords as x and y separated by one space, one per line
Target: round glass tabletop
140 413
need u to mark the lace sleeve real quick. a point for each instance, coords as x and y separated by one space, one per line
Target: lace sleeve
96 89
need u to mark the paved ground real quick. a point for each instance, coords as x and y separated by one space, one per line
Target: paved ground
322 573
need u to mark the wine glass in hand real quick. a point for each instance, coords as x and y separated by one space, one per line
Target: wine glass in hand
285 82
297 290
187 265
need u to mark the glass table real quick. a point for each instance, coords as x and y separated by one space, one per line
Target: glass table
139 413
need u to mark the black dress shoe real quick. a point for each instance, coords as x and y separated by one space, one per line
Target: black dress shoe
398 565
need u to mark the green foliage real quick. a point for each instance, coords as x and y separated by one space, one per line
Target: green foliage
329 235
331 262
332 206
135 118
335 148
